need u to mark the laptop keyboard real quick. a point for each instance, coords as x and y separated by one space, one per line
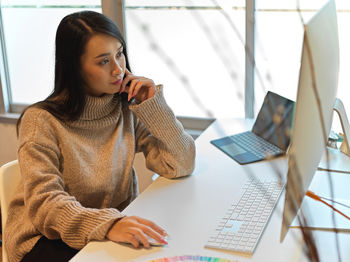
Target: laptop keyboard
255 144
244 221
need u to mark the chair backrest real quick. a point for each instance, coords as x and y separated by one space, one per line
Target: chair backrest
10 177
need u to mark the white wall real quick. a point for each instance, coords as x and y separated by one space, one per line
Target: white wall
8 143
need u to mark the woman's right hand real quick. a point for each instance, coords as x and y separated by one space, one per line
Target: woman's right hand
133 230
138 87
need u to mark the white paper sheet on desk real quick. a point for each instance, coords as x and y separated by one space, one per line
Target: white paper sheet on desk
320 215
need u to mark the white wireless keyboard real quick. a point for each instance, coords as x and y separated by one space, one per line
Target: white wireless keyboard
244 222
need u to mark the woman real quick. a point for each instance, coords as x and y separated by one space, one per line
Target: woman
76 148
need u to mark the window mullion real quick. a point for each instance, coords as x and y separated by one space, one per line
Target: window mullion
249 59
5 89
114 9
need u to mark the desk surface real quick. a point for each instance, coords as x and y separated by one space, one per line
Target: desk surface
188 208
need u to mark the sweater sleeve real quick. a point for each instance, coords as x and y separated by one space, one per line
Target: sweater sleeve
53 212
168 149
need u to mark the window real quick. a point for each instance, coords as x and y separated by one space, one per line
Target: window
186 40
279 34
194 48
199 58
29 28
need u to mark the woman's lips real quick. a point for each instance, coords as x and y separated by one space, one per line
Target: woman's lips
118 82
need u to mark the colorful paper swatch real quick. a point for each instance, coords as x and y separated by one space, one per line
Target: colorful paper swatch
191 258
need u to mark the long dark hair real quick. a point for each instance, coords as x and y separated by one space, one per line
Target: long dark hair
67 100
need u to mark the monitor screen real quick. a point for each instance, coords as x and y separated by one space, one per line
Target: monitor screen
274 120
317 89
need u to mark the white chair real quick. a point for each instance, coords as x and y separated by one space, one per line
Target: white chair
144 175
10 176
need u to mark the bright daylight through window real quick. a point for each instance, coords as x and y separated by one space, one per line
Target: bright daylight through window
194 48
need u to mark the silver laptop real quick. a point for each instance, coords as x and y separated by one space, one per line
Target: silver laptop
269 137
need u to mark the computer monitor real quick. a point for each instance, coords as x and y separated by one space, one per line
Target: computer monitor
317 88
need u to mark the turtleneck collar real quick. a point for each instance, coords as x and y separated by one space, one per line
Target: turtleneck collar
99 112
98 107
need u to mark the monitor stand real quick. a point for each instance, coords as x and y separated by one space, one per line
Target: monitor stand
339 108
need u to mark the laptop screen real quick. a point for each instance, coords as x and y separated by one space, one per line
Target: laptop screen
274 120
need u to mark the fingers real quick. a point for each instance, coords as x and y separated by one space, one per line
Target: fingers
141 89
136 230
137 87
126 81
131 90
141 237
152 225
129 238
151 229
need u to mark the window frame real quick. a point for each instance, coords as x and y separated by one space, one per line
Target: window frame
7 114
114 9
4 73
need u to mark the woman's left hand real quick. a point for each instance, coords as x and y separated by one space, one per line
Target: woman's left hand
137 87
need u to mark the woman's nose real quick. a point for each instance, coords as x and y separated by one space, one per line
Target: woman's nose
117 70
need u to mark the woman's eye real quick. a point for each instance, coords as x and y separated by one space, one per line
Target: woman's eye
119 54
104 61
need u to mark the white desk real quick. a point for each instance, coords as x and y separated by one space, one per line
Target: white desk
188 209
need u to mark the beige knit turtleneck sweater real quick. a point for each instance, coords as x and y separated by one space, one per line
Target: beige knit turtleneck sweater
78 176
